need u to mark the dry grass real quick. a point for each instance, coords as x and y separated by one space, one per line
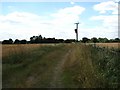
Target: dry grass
109 45
19 48
78 69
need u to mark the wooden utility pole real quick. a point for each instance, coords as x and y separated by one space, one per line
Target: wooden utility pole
76 31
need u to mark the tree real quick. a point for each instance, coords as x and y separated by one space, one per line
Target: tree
40 37
103 40
94 40
36 39
23 41
32 39
117 40
69 40
85 39
10 41
111 40
59 40
17 41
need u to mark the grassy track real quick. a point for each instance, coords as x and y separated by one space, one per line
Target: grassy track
79 71
64 65
33 69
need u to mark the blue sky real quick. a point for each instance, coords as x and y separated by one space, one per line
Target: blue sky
56 19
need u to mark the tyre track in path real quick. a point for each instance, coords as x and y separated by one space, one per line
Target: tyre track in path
56 79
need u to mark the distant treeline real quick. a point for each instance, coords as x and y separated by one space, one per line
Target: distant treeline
99 40
37 39
40 39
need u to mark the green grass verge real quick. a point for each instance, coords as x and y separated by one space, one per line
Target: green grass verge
108 65
91 67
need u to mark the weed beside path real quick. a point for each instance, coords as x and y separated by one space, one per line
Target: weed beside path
62 66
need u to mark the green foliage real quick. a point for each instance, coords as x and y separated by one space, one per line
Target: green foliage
85 39
94 40
107 64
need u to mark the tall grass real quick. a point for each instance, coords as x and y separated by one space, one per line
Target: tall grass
7 50
91 67
79 71
108 65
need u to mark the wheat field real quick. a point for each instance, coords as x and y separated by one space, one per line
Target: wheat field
109 45
19 48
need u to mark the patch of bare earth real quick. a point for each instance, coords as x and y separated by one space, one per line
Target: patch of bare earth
56 79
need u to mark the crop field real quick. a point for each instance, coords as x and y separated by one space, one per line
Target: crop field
11 49
72 65
109 45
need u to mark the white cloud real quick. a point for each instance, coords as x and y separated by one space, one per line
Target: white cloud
111 20
68 15
64 21
72 2
109 23
24 24
105 7
97 32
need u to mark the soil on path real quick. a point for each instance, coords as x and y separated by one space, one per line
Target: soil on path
56 80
